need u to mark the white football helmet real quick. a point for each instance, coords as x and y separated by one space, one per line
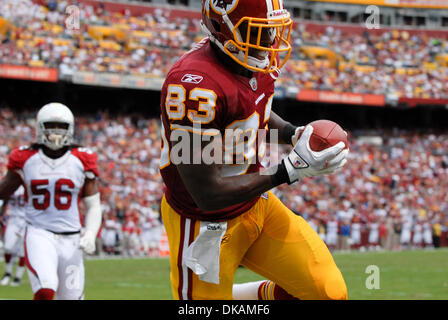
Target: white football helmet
55 138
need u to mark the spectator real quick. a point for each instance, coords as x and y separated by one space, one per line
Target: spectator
392 63
345 236
437 232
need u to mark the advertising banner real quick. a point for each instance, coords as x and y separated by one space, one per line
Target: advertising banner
28 73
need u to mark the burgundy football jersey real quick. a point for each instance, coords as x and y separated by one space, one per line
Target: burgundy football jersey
200 91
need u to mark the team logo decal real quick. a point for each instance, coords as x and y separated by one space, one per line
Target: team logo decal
191 78
227 5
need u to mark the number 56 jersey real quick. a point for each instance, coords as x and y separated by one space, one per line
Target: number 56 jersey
53 187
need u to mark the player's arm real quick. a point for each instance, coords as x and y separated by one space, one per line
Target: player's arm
93 215
10 183
212 191
286 130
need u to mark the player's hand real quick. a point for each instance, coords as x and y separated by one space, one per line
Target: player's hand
87 242
303 162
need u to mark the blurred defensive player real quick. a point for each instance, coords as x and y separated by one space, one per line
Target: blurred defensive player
217 210
56 175
14 237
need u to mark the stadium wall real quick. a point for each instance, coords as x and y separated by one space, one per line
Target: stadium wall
138 9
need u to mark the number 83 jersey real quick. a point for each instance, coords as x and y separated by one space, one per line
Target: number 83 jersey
53 187
201 92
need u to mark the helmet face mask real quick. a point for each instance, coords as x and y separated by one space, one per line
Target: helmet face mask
55 126
259 41
263 40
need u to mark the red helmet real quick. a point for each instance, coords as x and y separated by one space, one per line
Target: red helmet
252 32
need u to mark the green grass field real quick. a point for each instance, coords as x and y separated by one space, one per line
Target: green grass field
403 275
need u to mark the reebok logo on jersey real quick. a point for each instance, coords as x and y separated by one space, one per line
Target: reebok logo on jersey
191 78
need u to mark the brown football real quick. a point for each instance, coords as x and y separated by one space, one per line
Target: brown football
326 133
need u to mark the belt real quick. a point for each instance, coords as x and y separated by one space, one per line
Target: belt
69 233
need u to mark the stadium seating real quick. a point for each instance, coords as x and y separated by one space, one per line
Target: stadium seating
392 63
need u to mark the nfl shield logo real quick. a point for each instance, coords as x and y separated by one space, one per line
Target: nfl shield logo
253 84
298 163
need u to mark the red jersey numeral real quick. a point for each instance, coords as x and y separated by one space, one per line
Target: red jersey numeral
38 188
61 191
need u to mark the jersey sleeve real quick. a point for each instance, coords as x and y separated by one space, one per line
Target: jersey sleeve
88 159
18 157
193 101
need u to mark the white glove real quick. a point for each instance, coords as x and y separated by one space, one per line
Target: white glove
295 137
303 162
87 242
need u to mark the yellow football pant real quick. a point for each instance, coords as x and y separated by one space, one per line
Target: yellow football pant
268 239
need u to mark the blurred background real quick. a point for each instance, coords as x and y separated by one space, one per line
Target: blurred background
381 72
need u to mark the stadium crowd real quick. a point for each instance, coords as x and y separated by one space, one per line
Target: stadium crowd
388 197
141 45
393 63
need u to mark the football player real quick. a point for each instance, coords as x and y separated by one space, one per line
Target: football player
55 174
14 236
219 214
110 233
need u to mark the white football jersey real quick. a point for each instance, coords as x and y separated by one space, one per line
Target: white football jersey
332 227
110 224
16 204
356 227
53 187
374 227
418 228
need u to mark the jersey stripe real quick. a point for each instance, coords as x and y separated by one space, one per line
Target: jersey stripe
179 257
190 272
185 288
269 5
184 267
27 261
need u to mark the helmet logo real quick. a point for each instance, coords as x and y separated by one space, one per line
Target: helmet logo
226 5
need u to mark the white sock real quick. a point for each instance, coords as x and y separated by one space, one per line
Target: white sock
246 291
8 267
19 272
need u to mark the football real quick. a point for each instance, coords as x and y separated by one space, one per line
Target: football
326 133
